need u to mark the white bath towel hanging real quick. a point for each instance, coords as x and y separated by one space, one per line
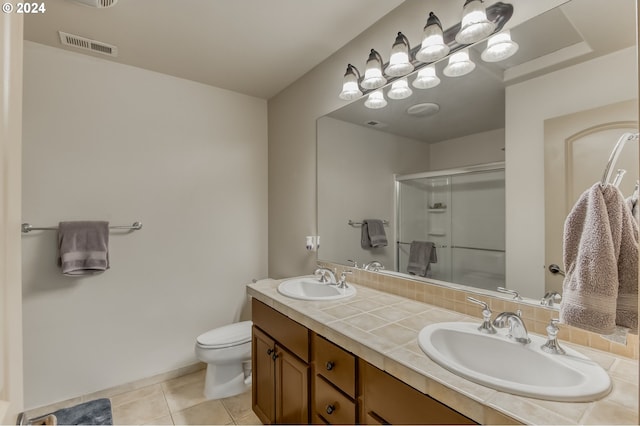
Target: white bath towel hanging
600 289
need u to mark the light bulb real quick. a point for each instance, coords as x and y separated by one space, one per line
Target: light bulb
499 47
426 78
400 89
376 100
433 46
459 64
475 26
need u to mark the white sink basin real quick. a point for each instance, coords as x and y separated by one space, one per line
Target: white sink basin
309 288
499 363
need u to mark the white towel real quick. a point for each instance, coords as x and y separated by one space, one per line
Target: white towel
600 289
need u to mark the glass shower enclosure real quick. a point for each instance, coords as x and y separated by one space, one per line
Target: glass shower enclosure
462 213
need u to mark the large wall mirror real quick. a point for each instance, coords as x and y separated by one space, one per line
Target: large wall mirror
476 130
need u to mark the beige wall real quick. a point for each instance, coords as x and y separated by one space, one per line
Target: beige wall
11 380
108 141
292 124
356 182
602 81
479 148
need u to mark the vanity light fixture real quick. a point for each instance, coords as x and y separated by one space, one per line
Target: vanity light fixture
376 100
436 45
499 47
433 46
426 78
350 88
400 89
459 64
399 62
373 78
475 26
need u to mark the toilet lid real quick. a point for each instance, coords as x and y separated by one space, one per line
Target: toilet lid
226 336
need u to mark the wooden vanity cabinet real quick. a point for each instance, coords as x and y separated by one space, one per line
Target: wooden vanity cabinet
280 357
300 377
387 400
333 383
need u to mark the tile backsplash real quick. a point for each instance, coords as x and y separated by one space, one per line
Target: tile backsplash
536 317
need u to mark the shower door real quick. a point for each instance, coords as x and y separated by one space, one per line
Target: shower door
463 215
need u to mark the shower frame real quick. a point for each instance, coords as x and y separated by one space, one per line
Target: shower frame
399 179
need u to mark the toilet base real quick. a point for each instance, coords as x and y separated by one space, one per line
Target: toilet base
225 380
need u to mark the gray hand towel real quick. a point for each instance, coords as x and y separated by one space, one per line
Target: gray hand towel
83 247
421 255
600 289
372 234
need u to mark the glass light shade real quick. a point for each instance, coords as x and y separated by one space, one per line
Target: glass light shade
400 89
499 47
350 88
427 78
475 26
373 78
433 46
399 62
376 100
459 64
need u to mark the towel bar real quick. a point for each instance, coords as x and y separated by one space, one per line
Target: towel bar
27 227
352 223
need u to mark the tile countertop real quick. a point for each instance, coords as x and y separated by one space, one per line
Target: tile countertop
382 329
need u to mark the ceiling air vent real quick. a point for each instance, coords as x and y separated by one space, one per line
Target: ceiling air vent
97 3
87 44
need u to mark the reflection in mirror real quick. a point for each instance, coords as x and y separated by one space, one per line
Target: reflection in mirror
472 120
450 226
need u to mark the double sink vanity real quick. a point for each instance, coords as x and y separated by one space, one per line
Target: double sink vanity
330 354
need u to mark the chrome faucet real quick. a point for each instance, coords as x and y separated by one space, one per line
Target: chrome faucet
374 266
517 329
486 327
343 279
550 297
326 275
552 346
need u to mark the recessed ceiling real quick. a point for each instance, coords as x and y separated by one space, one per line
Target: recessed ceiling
255 47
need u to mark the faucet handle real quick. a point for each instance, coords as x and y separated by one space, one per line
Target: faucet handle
343 278
552 346
486 327
355 264
515 294
550 297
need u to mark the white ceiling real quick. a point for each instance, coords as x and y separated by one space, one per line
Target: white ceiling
256 47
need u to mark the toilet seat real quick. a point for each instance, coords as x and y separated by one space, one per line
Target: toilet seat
226 336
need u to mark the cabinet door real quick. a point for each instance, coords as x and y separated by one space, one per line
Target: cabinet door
292 389
264 376
387 400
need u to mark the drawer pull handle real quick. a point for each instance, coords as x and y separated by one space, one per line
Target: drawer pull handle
330 409
330 365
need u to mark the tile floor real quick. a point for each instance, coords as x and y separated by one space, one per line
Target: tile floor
178 401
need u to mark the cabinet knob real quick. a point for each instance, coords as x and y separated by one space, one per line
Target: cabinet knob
270 351
330 409
330 365
274 355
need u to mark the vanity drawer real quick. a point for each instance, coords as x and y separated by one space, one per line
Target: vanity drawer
287 332
334 364
331 405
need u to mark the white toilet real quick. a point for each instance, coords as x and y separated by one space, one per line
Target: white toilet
227 352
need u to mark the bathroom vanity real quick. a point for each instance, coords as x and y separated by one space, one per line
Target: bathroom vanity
344 388
357 360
